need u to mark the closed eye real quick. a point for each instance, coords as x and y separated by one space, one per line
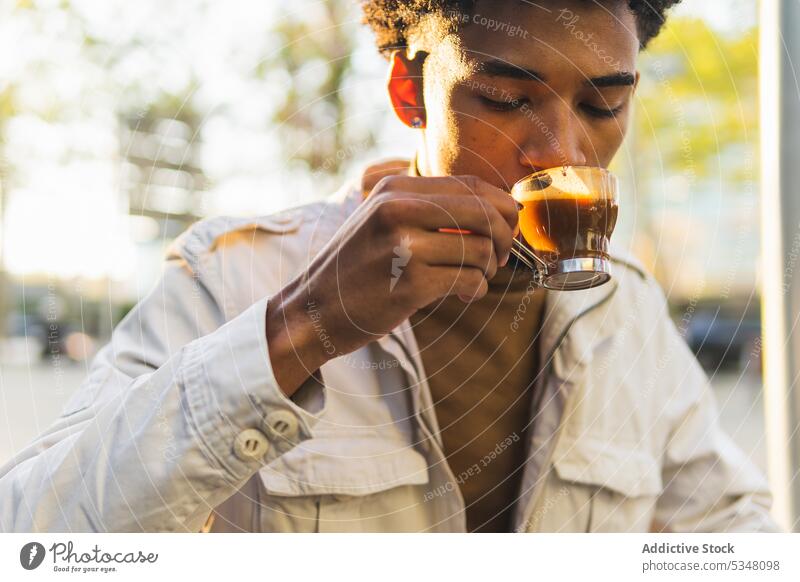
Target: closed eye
505 105
602 112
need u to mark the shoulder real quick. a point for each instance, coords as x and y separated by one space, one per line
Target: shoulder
634 277
639 303
295 227
206 235
641 310
623 257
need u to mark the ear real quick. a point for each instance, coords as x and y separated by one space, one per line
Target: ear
405 87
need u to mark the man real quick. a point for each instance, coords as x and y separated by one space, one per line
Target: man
347 366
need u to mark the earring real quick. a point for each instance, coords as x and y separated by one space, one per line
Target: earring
416 123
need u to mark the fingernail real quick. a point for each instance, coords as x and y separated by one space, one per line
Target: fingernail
520 206
504 262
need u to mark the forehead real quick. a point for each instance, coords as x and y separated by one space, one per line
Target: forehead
581 38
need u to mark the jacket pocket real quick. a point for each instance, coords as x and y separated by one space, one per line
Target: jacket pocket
357 481
597 486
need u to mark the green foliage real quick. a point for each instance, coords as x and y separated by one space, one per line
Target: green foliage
315 62
697 102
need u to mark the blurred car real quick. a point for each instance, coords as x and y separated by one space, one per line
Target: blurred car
723 334
50 337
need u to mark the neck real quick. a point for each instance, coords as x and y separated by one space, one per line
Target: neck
422 158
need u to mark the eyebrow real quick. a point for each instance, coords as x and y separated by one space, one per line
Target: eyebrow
495 68
623 79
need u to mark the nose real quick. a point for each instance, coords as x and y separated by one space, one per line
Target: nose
553 137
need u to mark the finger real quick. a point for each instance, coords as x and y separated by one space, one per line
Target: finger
452 249
473 215
437 211
462 185
465 282
499 198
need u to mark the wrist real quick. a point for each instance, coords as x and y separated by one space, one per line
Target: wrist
295 352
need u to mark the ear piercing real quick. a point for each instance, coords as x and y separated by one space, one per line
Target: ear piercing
416 123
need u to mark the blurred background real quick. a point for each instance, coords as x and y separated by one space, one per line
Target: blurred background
121 123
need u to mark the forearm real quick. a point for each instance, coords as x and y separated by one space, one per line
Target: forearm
298 343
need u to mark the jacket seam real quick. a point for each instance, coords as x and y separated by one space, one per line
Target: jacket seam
562 336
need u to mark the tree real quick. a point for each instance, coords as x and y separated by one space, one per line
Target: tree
694 150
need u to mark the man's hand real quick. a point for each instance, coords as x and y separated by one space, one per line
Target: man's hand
387 261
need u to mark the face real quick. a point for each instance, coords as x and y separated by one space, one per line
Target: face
521 87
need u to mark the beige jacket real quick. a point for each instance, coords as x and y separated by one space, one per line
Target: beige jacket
180 425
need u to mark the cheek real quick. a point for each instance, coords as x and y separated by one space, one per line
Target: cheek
487 148
441 126
606 139
472 141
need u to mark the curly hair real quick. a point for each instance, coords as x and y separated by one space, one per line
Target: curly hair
391 19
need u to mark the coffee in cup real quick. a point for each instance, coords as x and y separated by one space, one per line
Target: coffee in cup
566 222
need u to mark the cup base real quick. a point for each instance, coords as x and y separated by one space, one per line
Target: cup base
577 273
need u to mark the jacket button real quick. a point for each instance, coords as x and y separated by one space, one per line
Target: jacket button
250 445
281 425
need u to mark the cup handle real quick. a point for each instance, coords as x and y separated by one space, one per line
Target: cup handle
518 250
525 255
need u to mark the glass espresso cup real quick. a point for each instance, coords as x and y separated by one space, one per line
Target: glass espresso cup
565 225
